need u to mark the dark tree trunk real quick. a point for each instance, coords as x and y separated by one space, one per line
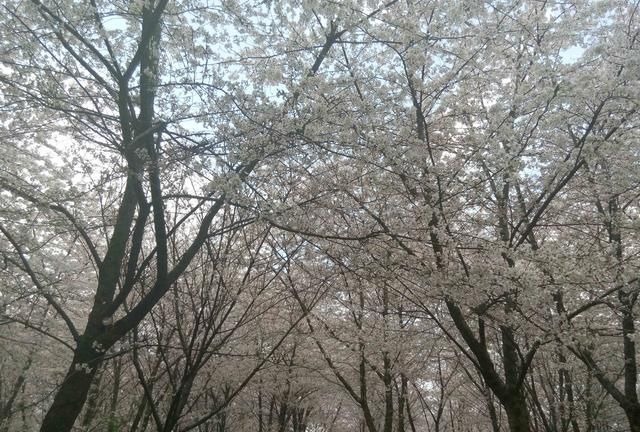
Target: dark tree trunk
114 420
72 393
493 415
178 402
93 404
633 415
260 421
388 394
6 408
517 414
139 414
401 401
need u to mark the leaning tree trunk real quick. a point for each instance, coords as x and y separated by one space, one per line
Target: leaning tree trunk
88 355
72 393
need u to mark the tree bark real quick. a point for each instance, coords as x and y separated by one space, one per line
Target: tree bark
495 425
93 403
7 408
633 415
402 396
72 393
517 413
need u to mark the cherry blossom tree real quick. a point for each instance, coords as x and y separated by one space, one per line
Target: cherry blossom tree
453 181
108 82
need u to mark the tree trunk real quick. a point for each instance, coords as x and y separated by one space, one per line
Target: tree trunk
260 424
73 391
7 408
491 408
517 413
114 420
139 414
93 404
633 415
178 402
388 394
402 400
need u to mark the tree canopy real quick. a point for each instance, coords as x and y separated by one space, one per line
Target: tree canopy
312 216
